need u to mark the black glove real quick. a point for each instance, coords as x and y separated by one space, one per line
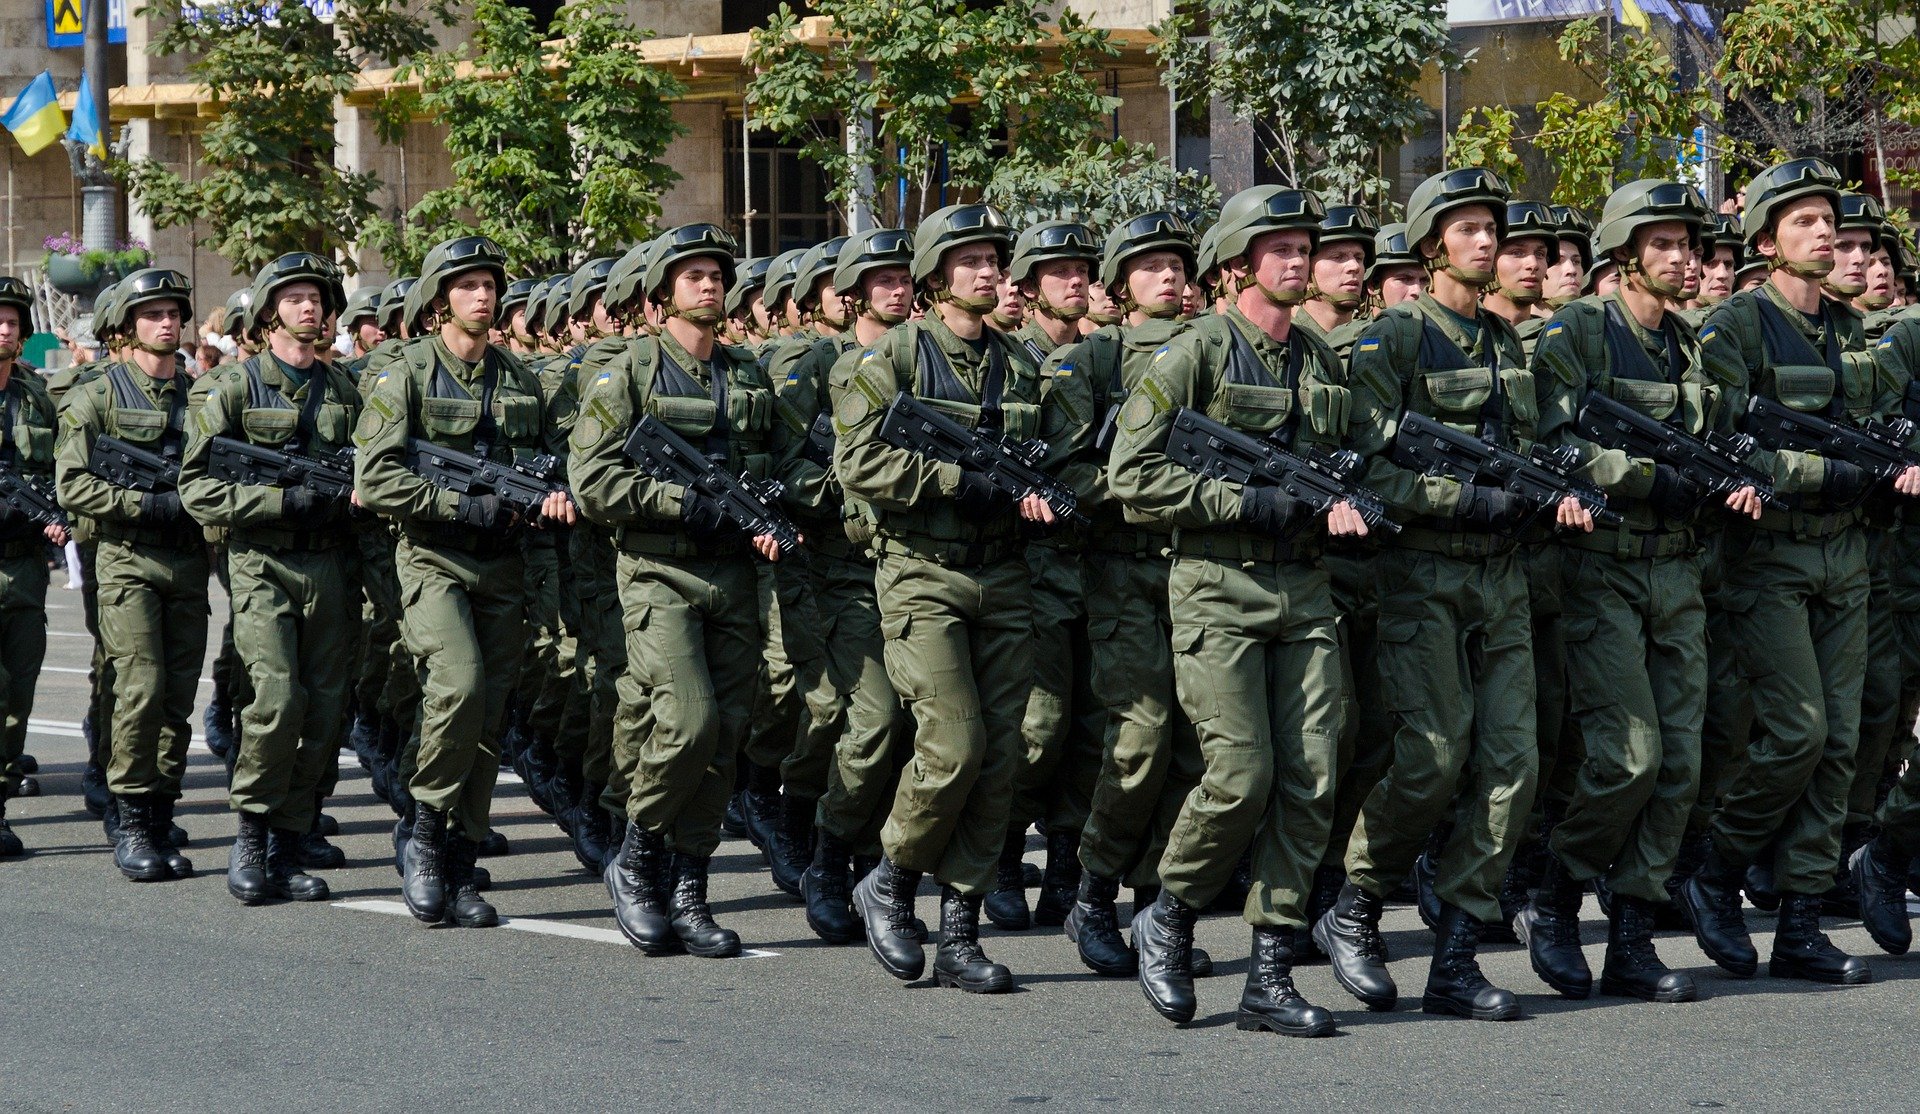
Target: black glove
1844 484
1270 511
979 501
161 508
1493 509
704 519
483 512
306 508
1674 495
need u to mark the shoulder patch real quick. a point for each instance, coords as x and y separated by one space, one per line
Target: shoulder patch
1885 341
1160 353
1709 333
1554 329
1371 344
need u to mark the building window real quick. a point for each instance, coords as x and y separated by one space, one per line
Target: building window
788 196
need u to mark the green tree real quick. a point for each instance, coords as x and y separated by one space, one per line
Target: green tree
1324 84
956 94
1114 181
557 156
266 182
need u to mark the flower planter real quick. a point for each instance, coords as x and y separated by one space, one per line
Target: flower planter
69 274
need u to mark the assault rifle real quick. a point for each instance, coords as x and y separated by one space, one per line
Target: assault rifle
1013 468
1543 477
29 500
1879 447
129 466
522 486
750 504
1318 478
329 475
1717 462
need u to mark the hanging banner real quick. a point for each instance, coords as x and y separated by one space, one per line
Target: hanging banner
64 23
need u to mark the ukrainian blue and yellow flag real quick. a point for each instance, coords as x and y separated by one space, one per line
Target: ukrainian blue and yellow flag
35 118
86 129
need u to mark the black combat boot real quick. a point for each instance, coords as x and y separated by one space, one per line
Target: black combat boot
1672 915
1455 983
465 906
1006 903
1163 937
27 763
1843 899
1426 900
135 852
29 786
1094 927
636 881
883 900
1633 968
692 918
287 877
1712 897
1516 892
1199 963
1761 891
733 822
315 852
424 867
1060 882
167 838
793 846
363 738
538 765
218 721
325 824
1327 881
247 878
827 890
93 790
495 846
590 847
1271 1001
1883 897
959 961
1350 935
10 844
1550 927
761 806
563 796
1802 951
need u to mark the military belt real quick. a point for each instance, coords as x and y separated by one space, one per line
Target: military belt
184 536
955 554
1805 525
1130 543
650 543
1629 545
465 539
308 541
1243 547
1455 543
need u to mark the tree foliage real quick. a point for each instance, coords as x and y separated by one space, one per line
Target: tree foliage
266 182
1325 85
956 93
1112 182
557 154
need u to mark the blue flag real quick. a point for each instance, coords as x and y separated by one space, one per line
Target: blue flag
86 122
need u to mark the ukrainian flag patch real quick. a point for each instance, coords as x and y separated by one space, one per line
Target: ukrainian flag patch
1709 333
1555 328
1371 344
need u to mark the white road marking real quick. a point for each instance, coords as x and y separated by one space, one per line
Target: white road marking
528 924
69 634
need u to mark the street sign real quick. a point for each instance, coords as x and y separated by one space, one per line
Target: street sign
64 23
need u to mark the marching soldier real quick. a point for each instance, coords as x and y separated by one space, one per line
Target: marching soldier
26 451
1569 270
687 586
953 587
1255 645
1338 290
1635 621
287 554
460 571
1053 782
1450 581
150 561
1795 588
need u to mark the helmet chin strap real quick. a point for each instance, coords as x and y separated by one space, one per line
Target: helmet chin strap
1847 290
1467 276
1341 301
1876 302
1523 298
707 317
1058 313
981 306
471 326
1806 269
1561 301
1631 269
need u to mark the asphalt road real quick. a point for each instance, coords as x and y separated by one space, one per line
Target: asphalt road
173 996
